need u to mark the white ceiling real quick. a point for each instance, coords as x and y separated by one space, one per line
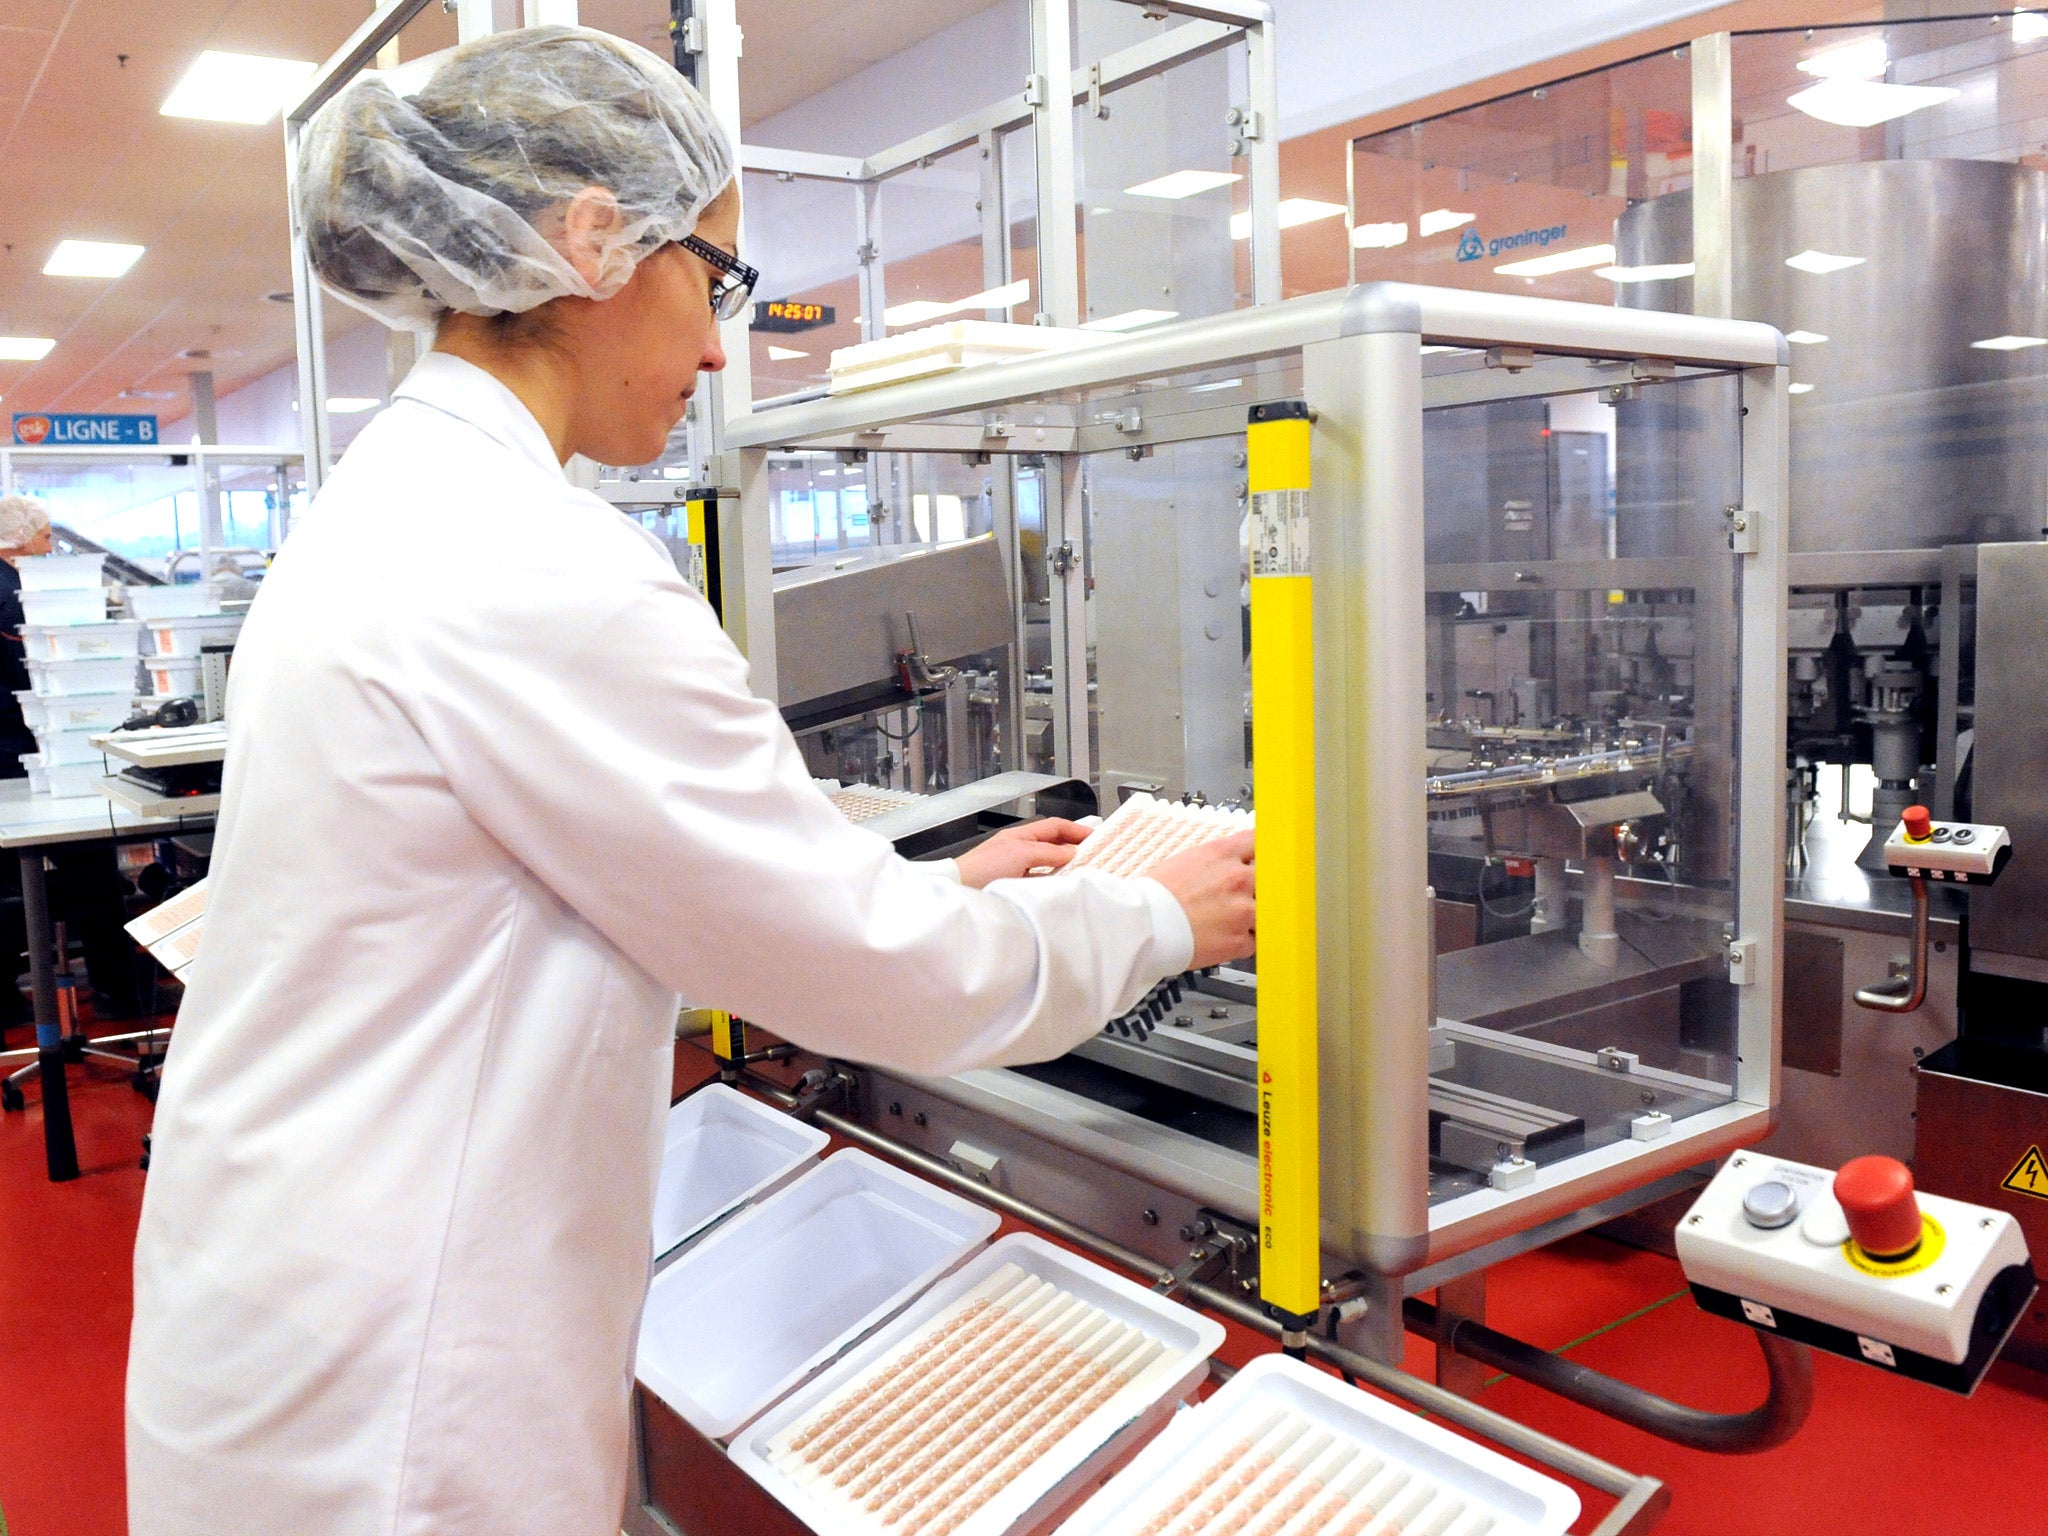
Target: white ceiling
84 154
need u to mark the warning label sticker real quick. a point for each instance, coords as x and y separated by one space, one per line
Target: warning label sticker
2029 1176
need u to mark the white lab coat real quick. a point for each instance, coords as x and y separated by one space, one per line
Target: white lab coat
496 794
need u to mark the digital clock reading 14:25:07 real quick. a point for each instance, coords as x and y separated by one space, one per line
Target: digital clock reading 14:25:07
791 315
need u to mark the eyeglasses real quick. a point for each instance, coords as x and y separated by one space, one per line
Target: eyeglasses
736 279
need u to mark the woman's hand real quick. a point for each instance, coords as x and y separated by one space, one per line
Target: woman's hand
1213 884
1016 851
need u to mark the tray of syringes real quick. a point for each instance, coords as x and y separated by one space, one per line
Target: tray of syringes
1284 1449
1144 831
990 1406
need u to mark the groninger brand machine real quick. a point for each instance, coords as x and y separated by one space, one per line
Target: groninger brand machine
1544 784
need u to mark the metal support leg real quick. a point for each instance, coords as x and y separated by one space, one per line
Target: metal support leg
1458 1301
60 1150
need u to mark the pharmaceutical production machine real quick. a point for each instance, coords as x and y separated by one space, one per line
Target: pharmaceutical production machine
1541 778
1356 569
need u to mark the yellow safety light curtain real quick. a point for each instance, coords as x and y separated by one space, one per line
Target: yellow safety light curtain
1283 743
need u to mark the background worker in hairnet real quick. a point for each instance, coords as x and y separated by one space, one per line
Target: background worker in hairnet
86 885
477 835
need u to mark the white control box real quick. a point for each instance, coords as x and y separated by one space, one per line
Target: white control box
1961 852
1766 1244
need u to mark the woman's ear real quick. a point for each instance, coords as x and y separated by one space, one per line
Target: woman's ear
591 217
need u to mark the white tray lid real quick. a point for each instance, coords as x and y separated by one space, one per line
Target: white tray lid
720 1151
1189 1337
791 1283
1523 1502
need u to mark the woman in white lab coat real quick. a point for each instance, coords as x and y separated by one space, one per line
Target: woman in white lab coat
496 794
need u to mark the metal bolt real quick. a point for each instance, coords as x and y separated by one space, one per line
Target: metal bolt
919 1118
1649 1096
1219 1012
1150 1217
1984 1222
896 1109
1742 1162
1183 1020
1693 1221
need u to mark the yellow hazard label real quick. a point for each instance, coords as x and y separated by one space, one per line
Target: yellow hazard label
1932 1241
2029 1176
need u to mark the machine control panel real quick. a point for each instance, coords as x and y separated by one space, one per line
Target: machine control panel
1961 852
1859 1263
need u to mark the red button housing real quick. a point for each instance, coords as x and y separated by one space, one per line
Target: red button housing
1918 822
1876 1195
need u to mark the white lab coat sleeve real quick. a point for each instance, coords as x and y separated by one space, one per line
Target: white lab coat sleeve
626 764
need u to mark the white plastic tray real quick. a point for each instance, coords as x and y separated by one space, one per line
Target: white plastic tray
1490 1487
172 676
721 1150
67 642
64 605
60 573
194 598
1064 1471
784 1287
189 635
86 674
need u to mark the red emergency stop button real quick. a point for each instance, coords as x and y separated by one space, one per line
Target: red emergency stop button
1917 822
1876 1195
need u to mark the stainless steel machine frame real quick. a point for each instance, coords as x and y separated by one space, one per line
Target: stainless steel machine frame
1357 357
710 40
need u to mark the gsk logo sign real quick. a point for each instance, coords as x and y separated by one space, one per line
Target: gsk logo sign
31 429
1471 247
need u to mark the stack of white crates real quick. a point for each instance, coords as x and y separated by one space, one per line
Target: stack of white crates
81 669
88 672
177 624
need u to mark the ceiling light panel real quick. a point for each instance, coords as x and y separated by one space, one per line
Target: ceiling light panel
1293 212
1183 184
1560 261
91 258
1650 274
1437 220
2029 26
784 354
1379 237
25 349
1865 60
1822 262
1805 338
1798 389
2009 343
236 88
1866 103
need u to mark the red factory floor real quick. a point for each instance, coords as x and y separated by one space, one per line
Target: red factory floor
1878 1453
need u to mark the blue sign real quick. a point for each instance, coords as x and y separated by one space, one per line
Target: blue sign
36 429
1472 245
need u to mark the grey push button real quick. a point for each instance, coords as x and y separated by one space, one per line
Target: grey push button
1770 1205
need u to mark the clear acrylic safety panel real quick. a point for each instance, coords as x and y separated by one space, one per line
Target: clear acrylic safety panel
145 510
1891 189
1521 194
1583 646
1159 191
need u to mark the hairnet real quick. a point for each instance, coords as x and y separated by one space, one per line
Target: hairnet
21 519
453 198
